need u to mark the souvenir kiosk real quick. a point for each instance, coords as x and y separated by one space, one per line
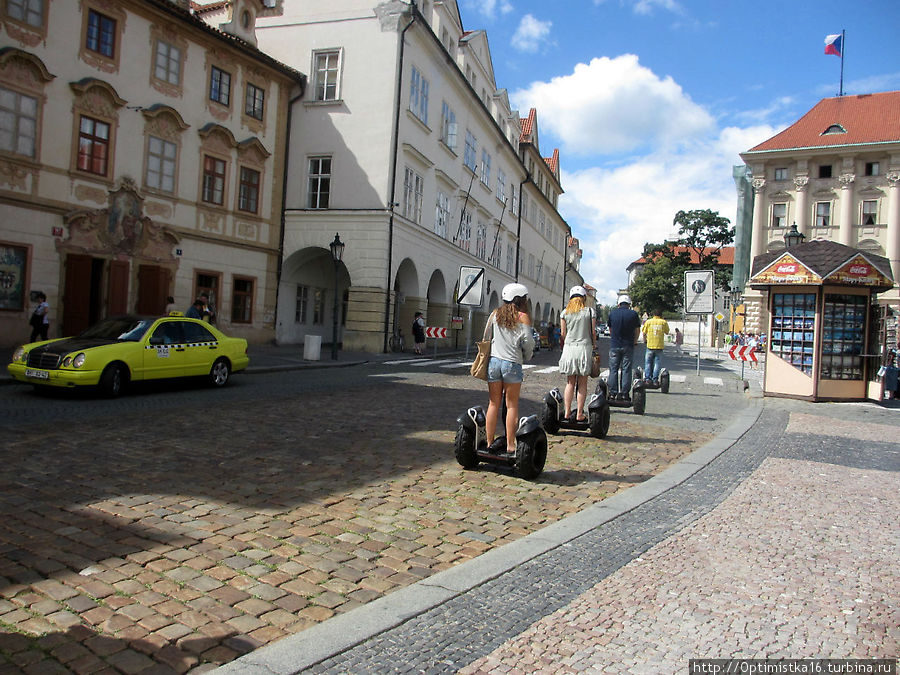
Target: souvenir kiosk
819 299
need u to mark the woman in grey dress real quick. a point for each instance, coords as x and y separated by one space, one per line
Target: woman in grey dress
579 338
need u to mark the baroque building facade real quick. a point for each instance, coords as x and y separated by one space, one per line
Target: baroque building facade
141 157
835 173
405 146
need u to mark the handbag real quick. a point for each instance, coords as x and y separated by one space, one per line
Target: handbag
595 365
480 364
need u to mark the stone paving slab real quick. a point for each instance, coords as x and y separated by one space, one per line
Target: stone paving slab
783 546
127 545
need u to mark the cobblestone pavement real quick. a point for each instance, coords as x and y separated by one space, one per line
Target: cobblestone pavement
785 546
171 543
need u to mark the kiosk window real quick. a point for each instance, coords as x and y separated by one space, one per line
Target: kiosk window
843 327
793 329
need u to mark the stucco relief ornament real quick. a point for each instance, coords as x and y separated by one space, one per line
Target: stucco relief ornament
758 184
893 177
846 180
801 183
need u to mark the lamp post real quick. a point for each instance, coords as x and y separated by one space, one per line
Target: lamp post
736 298
337 253
793 237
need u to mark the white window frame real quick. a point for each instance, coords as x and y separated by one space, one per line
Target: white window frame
442 214
501 185
485 167
169 70
333 60
863 213
823 219
470 155
481 240
162 162
779 220
413 187
418 95
316 179
510 258
22 113
465 231
781 173
449 128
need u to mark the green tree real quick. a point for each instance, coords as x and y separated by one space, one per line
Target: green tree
702 234
658 285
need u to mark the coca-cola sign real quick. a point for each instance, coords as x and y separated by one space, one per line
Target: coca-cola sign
786 268
858 270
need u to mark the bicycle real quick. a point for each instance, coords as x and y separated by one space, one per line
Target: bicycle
396 341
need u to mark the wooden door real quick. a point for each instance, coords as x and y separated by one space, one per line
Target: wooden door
117 295
153 284
77 295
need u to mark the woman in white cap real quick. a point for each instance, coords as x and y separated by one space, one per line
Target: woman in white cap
511 345
579 338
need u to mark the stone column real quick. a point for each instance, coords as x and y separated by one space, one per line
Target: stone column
759 240
364 330
801 215
847 237
893 223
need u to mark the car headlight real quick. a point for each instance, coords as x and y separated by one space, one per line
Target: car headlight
75 362
19 354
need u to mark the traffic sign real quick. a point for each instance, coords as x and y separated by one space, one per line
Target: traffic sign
471 286
742 353
720 317
699 291
435 332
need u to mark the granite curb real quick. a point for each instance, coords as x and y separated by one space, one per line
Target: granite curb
298 652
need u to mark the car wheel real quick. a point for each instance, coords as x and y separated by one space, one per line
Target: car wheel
464 447
113 380
531 454
219 373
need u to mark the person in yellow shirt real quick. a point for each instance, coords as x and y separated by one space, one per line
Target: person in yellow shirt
655 330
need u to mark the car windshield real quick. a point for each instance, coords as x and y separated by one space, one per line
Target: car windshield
122 328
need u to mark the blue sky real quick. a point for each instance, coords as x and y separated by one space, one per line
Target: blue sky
650 101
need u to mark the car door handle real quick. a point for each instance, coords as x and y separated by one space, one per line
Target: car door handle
179 349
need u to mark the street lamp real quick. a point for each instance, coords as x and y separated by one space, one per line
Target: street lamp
736 298
793 237
337 254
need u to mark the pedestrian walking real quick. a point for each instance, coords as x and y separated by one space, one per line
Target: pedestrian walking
679 341
40 318
418 330
624 328
578 326
512 343
655 330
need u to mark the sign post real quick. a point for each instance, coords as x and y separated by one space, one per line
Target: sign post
699 298
470 292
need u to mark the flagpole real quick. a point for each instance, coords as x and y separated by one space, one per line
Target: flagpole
843 49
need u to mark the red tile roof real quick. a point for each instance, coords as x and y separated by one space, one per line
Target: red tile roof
528 126
553 162
726 255
867 118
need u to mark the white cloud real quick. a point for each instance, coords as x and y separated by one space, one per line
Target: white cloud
530 34
612 106
615 211
489 9
647 6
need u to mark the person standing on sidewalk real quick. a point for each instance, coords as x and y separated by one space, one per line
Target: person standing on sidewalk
578 326
624 328
511 345
418 329
679 340
40 319
655 330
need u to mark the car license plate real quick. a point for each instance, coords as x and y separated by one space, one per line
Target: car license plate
40 374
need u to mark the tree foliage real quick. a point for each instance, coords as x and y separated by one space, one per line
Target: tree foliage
701 232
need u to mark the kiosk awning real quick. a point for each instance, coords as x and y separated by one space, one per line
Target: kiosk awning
817 263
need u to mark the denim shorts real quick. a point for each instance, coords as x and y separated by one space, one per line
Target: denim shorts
504 371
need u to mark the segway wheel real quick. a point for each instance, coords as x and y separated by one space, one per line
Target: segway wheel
464 447
639 400
549 419
664 383
639 373
599 422
531 453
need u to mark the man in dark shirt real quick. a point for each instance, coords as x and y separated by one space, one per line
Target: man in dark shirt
624 328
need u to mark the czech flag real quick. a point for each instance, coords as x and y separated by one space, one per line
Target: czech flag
833 44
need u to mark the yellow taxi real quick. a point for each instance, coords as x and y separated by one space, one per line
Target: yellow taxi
122 349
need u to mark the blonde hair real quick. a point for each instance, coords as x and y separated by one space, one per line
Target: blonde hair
576 304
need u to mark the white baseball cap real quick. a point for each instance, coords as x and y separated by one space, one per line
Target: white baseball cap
578 290
513 291
624 299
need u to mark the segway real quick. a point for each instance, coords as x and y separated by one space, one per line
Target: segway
662 383
638 400
471 446
554 415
